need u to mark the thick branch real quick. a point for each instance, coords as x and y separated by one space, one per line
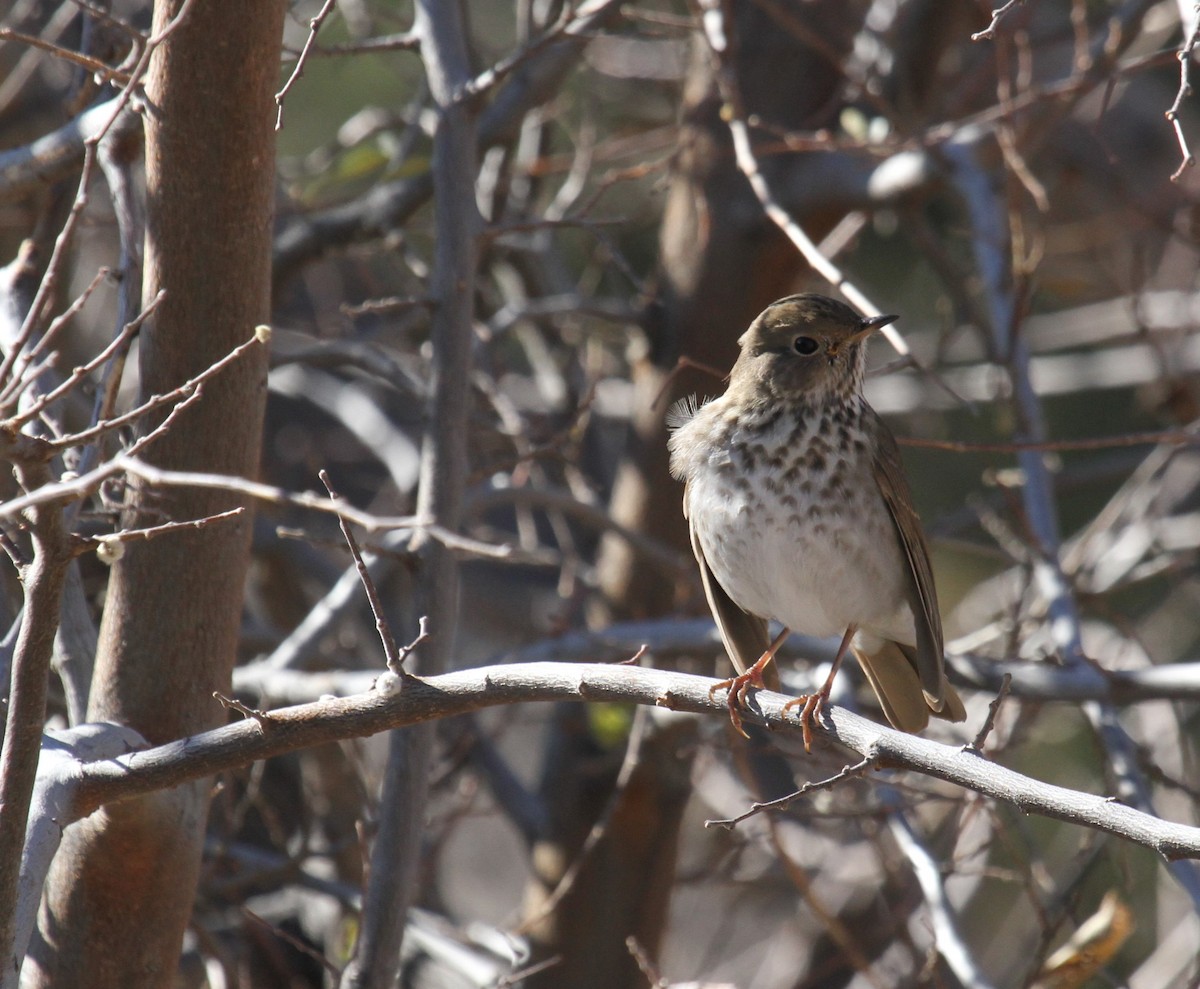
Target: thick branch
395 703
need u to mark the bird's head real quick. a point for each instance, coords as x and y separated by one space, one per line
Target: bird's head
805 346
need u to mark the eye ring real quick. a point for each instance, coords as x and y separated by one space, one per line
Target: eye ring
805 346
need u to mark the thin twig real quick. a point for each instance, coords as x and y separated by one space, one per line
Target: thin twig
993 709
997 14
739 129
185 392
262 717
858 770
947 933
20 378
423 633
50 278
1185 89
94 66
403 41
645 963
1166 437
685 362
492 76
151 532
314 26
716 30
78 374
599 829
394 659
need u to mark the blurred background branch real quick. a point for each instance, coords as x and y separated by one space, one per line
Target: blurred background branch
494 243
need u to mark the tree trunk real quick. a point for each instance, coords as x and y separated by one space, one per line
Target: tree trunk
121 891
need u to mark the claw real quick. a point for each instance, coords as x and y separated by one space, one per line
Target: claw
812 709
738 687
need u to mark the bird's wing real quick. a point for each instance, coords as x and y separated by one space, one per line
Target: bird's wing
745 635
922 597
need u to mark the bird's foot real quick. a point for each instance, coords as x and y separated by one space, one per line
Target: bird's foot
738 687
813 703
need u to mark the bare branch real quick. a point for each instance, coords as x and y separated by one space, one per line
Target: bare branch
1185 89
314 26
395 662
395 703
989 32
857 771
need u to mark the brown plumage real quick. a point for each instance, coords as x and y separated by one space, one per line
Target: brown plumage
800 512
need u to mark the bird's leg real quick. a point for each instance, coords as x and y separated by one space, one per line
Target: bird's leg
814 702
740 684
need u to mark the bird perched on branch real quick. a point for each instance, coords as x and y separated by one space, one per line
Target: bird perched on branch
800 512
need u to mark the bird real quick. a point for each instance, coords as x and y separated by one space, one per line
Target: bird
800 512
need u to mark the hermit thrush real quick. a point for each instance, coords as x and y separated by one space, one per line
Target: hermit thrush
800 511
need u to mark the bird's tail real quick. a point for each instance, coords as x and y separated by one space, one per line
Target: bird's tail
891 669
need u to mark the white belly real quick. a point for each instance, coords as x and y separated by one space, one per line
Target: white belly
792 561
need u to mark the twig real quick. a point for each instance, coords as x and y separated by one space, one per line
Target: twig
27 356
997 14
645 963
78 374
233 704
520 975
93 66
858 770
403 41
1167 437
739 130
164 427
948 937
491 77
184 393
106 546
394 659
1185 89
50 279
680 364
423 633
314 26
716 32
599 829
293 941
993 709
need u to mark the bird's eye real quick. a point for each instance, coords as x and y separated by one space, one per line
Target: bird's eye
805 346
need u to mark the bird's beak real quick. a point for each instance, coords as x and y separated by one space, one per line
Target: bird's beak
869 325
